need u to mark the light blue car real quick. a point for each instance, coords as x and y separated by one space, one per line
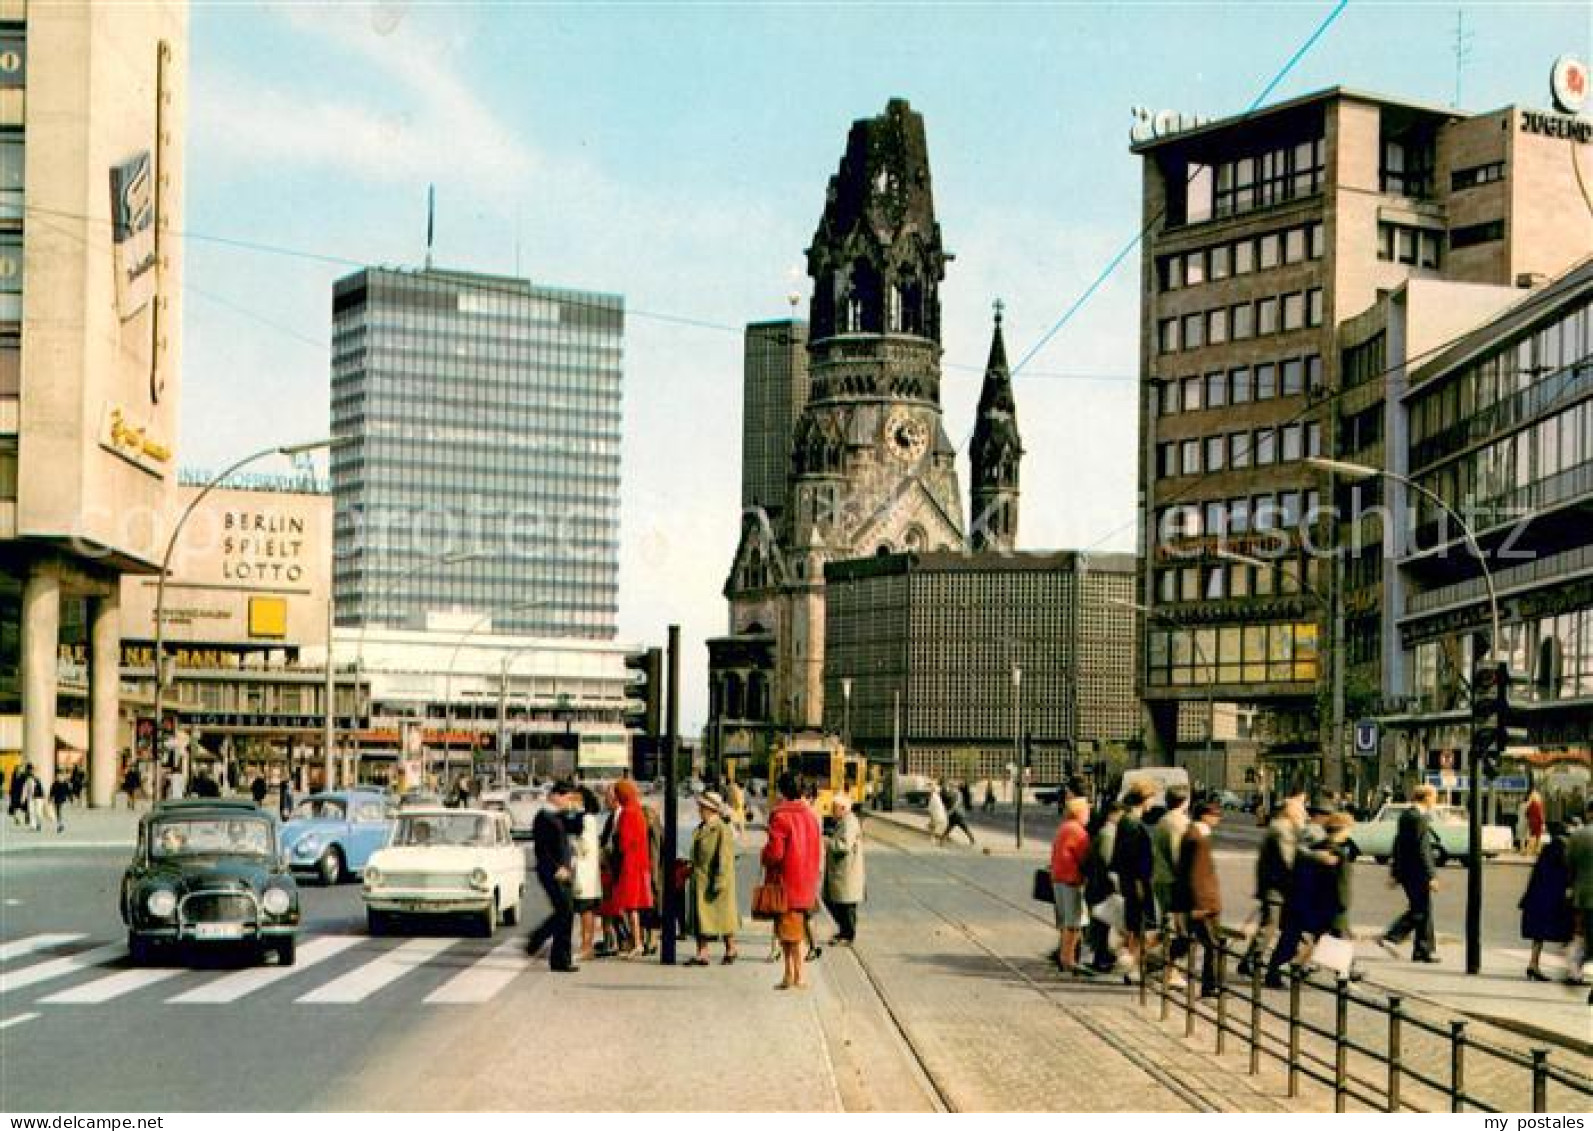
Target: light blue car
331 835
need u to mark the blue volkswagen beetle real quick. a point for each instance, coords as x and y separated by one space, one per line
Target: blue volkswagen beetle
332 835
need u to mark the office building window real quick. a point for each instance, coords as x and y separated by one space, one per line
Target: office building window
1474 234
1216 389
1239 449
1167 335
1266 447
1462 179
1266 316
1294 245
1244 257
1170 398
1270 250
1194 268
1313 439
1239 519
1191 457
1266 382
1194 331
1318 242
1214 453
1293 443
1241 322
1401 243
1239 385
12 170
1191 394
1166 460
1217 326
1313 306
1219 265
1313 372
1408 167
1292 373
1294 311
1172 272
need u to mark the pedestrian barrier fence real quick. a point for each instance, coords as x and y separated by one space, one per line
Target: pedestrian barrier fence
1369 1046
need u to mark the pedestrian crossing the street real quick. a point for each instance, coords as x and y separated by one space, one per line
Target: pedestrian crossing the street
330 969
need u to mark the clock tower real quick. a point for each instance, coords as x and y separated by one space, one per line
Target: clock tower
872 470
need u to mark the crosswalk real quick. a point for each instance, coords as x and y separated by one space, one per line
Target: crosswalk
72 970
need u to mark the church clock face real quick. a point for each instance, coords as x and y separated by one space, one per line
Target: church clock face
906 437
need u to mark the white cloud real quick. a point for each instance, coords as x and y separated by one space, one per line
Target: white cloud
418 118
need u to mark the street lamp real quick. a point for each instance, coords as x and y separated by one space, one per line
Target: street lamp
289 450
846 712
448 680
378 600
1203 661
1356 471
1017 750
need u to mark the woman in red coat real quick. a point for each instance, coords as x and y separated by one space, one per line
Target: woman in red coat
793 858
633 880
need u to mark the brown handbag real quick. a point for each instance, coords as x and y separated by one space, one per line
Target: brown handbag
768 901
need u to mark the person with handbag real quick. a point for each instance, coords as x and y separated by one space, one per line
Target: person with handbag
1069 856
792 861
843 873
713 902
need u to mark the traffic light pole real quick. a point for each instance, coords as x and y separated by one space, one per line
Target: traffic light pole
666 950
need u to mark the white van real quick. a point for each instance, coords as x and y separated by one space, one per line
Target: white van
1155 781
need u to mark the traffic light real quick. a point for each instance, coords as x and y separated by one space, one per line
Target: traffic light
645 696
1492 719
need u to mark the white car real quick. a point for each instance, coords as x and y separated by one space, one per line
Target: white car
447 862
1450 824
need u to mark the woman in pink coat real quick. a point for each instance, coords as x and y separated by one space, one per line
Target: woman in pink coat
633 877
793 858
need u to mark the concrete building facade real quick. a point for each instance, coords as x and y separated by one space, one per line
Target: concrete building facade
774 392
1264 233
92 107
928 644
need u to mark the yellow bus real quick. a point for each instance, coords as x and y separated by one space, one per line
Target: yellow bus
823 763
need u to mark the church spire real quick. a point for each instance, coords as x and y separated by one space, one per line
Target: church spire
996 452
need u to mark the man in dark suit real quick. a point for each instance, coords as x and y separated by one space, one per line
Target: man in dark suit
550 846
1416 871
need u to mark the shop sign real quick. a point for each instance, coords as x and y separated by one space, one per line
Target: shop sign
1568 83
133 232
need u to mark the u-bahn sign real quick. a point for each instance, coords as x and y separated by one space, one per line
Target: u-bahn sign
1366 736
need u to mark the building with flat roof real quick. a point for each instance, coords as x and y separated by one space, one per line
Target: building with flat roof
774 391
481 417
1263 234
92 111
1499 426
920 651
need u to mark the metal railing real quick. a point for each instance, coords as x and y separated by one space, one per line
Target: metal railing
1404 1061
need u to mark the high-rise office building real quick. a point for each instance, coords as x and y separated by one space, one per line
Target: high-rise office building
1264 233
774 391
92 107
482 420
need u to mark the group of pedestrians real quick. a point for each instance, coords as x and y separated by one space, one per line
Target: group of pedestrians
611 872
27 796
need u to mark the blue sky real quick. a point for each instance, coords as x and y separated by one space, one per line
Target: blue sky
678 155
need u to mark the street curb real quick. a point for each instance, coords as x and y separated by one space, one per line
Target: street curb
1512 1024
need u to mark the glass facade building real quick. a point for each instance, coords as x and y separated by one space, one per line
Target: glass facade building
479 465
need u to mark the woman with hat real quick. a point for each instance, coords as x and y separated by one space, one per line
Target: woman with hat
712 907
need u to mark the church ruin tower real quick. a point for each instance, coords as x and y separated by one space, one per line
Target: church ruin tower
995 453
872 470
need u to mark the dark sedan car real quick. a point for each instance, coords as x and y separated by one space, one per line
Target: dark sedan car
209 872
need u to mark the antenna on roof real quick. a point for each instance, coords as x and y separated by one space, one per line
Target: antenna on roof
1462 50
431 220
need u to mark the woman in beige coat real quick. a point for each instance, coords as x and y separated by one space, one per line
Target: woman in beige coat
843 870
713 904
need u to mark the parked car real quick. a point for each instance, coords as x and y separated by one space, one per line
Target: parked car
1154 782
525 801
208 872
447 862
1375 838
331 835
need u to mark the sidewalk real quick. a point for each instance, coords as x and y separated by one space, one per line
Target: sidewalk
1500 995
86 830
